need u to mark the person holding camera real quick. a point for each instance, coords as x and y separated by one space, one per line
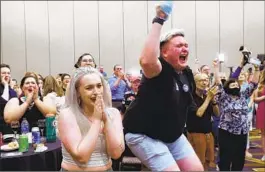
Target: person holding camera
234 123
244 78
154 122
244 61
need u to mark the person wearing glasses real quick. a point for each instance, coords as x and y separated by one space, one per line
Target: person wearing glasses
199 124
84 60
154 122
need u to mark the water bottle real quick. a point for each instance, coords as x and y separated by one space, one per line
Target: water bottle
254 61
24 126
50 128
35 135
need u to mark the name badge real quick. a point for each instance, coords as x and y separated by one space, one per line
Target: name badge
185 88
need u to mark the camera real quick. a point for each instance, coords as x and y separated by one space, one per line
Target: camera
245 53
248 58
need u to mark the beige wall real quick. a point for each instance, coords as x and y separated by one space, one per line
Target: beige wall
48 36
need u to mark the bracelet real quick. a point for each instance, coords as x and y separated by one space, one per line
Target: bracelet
158 20
214 104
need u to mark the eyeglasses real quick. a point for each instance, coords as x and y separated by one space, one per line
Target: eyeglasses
87 60
203 80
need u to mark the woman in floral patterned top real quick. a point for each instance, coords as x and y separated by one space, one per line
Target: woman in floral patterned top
234 124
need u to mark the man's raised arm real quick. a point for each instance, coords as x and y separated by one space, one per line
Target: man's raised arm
149 62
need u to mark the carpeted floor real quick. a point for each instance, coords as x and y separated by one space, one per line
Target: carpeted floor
254 163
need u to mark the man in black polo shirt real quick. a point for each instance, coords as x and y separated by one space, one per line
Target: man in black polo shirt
154 121
199 125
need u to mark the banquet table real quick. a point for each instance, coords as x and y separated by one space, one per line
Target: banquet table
49 160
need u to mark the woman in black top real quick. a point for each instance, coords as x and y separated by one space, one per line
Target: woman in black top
30 105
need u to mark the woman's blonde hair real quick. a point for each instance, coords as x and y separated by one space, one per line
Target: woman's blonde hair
50 85
244 73
71 97
261 85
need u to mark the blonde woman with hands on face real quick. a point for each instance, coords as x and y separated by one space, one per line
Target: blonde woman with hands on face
90 130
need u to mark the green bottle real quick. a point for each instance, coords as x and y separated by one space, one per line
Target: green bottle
23 143
50 129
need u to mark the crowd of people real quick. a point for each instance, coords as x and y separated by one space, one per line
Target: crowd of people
171 117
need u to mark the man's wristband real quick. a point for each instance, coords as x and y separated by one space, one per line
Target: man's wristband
158 20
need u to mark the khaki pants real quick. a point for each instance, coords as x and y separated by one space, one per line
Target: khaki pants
203 145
